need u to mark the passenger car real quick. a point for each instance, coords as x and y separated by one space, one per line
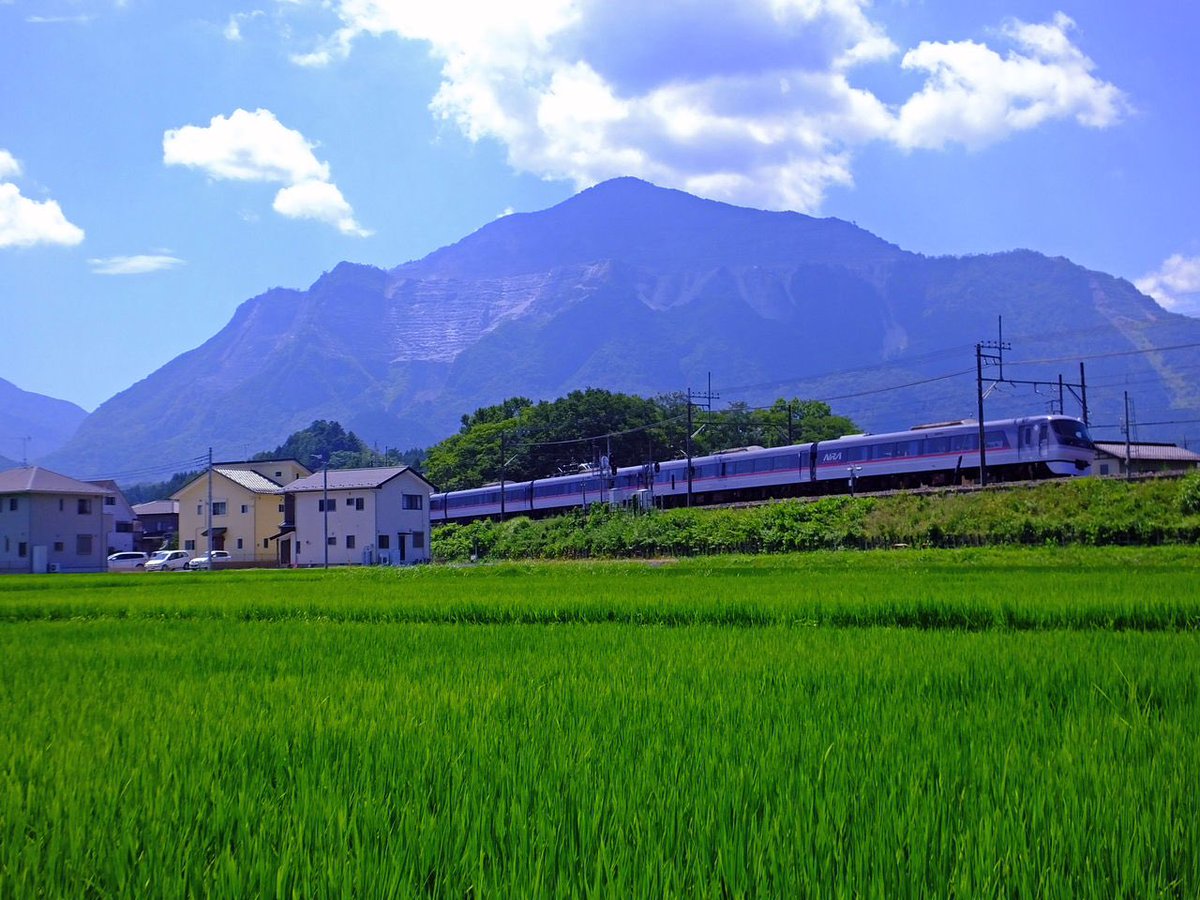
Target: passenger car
206 561
127 559
167 561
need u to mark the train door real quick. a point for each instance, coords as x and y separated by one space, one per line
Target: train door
1026 440
1043 444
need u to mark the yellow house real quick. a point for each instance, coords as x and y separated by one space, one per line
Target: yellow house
247 508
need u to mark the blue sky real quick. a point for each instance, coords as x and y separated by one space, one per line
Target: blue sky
162 162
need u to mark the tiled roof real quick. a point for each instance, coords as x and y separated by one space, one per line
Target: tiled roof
1155 452
251 481
36 480
351 479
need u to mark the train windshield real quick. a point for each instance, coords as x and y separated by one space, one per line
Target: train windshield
1072 433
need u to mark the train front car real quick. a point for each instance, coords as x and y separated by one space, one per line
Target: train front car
1071 450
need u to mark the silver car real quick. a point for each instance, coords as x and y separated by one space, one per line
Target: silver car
168 561
127 559
208 560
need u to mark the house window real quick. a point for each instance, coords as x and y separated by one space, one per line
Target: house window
219 507
349 542
12 504
59 547
245 509
413 501
418 540
358 504
278 474
239 543
282 508
22 548
384 542
83 545
199 509
60 505
189 545
266 543
84 507
326 505
110 501
331 541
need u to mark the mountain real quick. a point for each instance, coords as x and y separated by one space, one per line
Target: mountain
32 425
636 288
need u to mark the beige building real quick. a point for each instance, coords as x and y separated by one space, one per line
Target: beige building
360 517
51 523
248 508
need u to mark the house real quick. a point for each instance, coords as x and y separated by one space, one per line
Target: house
360 516
119 519
247 509
157 524
1143 458
50 523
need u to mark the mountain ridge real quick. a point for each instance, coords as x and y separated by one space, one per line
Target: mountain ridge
631 287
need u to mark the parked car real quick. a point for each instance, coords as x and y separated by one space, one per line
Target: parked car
127 559
206 561
167 560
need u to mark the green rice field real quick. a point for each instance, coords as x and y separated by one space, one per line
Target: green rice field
895 724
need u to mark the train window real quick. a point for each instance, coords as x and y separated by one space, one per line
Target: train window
884 451
1073 434
996 440
960 443
743 467
937 445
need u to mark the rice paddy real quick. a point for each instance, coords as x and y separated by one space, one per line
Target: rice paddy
964 724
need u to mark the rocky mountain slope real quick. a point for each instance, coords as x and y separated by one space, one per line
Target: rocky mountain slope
635 288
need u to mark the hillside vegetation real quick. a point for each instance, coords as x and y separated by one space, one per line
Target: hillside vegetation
1091 512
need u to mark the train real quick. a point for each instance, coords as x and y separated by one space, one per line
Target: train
1032 447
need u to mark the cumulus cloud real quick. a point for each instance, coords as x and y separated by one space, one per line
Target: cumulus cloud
1176 284
753 101
134 265
256 146
25 222
975 96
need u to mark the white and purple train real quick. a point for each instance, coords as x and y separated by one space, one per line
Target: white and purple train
1044 446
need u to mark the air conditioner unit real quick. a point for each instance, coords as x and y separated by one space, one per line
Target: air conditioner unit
55 567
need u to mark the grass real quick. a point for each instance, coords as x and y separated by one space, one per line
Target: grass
974 723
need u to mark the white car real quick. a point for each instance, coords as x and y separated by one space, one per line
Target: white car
206 561
127 559
167 561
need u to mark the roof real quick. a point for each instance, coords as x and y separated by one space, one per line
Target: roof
1155 452
352 479
251 481
157 508
36 480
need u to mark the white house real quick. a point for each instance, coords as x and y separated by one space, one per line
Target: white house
361 517
120 521
49 522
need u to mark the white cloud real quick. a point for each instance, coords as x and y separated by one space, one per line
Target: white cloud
256 146
59 20
134 265
25 222
751 102
1176 284
9 167
233 28
975 96
318 200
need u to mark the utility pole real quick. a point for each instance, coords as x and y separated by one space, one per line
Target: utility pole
210 527
708 397
502 476
1128 454
997 359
